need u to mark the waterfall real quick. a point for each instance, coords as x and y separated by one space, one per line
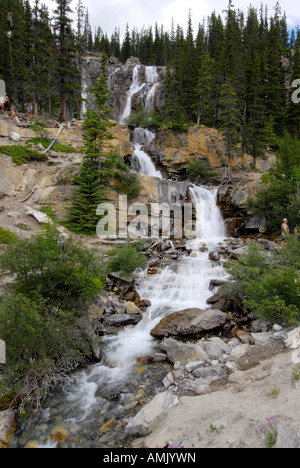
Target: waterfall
152 78
134 88
182 284
141 161
210 224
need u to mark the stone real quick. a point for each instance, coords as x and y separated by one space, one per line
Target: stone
237 253
154 412
262 338
215 347
287 437
239 351
168 380
40 217
14 215
191 366
182 352
293 339
131 308
59 433
121 319
15 137
32 444
244 337
214 256
7 427
189 322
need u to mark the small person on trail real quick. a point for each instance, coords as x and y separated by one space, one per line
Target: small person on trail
1 102
29 107
13 111
63 238
6 102
285 231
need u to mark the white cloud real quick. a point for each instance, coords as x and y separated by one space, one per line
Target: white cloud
117 13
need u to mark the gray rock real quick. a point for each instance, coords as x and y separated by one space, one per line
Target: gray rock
262 339
121 319
237 253
215 347
287 437
14 136
154 412
189 322
182 352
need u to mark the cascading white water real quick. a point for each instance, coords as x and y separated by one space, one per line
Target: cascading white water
183 284
134 88
141 161
152 78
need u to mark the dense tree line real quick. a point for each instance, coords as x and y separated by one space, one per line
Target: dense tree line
253 54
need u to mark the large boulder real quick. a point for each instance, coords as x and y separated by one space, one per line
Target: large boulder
183 352
146 420
189 322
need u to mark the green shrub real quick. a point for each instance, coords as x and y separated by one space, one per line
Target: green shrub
44 319
42 344
130 184
126 259
64 278
22 154
58 146
7 237
268 282
198 170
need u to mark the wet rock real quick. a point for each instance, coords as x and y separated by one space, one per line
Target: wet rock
244 337
146 420
189 322
214 256
220 302
121 319
182 352
215 283
7 427
131 308
59 433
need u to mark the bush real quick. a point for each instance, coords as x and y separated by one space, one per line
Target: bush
22 154
130 184
43 319
126 259
198 170
64 278
58 146
268 282
7 237
42 344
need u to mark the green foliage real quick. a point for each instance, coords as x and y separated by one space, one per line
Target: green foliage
280 198
268 282
43 319
58 146
130 184
66 279
126 259
7 237
22 154
199 170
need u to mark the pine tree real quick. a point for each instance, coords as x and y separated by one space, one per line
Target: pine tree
66 68
294 105
94 171
230 118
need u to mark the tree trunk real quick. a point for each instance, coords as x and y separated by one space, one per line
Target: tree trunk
62 115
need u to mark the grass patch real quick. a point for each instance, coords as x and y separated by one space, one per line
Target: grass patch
22 154
7 237
58 146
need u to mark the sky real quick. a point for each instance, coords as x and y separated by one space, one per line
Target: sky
143 13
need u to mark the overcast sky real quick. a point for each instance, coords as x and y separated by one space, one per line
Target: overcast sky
113 14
